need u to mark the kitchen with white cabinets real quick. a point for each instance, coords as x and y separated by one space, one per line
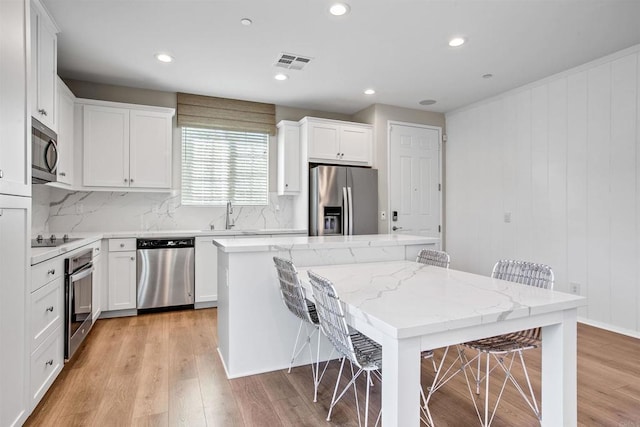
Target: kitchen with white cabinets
119 173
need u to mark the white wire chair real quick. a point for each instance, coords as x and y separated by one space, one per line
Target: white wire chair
361 351
502 346
438 259
294 299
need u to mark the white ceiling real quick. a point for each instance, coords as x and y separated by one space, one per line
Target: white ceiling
397 47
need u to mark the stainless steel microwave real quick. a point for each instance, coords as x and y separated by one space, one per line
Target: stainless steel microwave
44 153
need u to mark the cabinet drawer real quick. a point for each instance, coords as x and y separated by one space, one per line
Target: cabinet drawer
47 309
46 364
119 245
45 272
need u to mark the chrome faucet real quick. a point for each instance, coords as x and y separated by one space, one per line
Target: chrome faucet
229 223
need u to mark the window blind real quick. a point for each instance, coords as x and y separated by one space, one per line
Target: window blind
221 165
224 113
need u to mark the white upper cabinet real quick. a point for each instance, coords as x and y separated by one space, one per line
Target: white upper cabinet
333 141
150 149
65 111
126 147
15 153
44 66
289 160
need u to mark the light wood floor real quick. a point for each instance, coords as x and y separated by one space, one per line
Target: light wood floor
163 370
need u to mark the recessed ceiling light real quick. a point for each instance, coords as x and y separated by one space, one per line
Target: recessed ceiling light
246 21
163 57
369 91
456 41
427 102
339 9
281 77
487 76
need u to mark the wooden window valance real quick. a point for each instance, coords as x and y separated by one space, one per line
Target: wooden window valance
226 114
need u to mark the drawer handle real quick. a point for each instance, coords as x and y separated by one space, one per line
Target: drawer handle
49 362
63 174
133 258
50 308
42 111
52 271
122 245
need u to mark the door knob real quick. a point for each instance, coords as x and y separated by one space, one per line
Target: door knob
394 228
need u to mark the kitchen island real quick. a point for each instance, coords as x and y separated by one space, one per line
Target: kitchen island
256 332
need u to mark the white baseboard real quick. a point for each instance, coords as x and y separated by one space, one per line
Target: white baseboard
606 326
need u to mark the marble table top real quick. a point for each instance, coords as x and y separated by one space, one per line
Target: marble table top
321 242
405 298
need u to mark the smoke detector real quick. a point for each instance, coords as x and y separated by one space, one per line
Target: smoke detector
292 61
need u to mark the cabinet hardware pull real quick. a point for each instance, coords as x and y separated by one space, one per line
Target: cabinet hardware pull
63 174
1 173
337 154
133 258
52 271
394 228
50 308
341 154
42 111
0 212
126 180
49 362
131 180
286 185
122 245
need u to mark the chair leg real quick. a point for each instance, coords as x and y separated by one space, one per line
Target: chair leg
295 352
366 402
335 390
316 371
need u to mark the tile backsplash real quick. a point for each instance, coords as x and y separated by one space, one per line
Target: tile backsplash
60 211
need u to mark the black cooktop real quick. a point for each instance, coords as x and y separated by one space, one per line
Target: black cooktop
52 241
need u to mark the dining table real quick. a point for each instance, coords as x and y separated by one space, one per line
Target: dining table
408 307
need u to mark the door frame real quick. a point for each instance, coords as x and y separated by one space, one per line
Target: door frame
440 171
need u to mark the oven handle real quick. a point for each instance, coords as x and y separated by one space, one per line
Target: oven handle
86 271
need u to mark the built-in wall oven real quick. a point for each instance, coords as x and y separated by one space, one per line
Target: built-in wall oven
78 295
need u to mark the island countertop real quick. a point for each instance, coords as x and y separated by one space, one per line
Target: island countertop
320 242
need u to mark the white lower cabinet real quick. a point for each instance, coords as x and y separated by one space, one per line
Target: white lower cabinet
46 363
122 274
206 271
15 222
47 325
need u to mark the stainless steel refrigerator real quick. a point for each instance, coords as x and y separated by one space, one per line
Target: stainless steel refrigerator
343 200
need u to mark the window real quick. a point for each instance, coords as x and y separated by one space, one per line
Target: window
220 166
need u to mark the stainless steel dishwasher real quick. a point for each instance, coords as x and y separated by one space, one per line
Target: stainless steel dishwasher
165 272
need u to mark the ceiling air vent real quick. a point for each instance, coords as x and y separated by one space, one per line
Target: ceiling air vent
292 62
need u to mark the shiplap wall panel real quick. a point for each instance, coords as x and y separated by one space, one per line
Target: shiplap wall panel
556 251
576 185
598 192
623 215
563 157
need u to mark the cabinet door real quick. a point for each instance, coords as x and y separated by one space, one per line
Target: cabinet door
122 280
323 141
44 66
356 144
14 358
106 146
206 270
289 159
15 178
65 133
150 149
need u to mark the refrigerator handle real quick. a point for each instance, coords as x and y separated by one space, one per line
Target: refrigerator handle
345 212
350 197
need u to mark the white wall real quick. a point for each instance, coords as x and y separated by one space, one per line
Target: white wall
563 156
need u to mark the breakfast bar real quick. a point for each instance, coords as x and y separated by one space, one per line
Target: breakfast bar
255 330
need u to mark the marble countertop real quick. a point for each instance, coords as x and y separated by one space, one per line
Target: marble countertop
42 254
320 242
433 299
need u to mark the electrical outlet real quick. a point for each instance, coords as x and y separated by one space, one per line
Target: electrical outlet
574 288
383 215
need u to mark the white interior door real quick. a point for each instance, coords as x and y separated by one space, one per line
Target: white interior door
414 179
